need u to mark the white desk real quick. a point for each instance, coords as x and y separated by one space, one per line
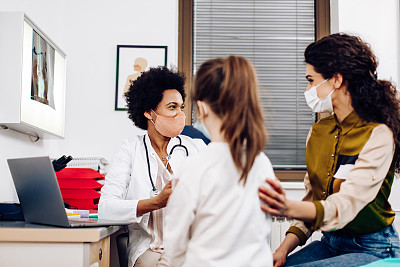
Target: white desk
36 245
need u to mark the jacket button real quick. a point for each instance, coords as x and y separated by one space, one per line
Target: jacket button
333 155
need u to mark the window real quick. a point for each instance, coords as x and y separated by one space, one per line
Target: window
272 34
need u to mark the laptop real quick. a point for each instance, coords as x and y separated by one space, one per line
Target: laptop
40 196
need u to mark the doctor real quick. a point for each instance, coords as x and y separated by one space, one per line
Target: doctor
138 185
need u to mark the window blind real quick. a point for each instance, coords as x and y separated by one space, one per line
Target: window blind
273 35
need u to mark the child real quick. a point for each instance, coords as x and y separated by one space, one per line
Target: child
213 215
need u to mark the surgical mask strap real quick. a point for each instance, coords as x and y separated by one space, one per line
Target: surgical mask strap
315 86
331 92
205 108
152 118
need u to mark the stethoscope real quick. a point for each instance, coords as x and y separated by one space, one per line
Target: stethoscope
154 192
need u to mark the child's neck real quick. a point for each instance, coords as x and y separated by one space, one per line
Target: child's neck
215 129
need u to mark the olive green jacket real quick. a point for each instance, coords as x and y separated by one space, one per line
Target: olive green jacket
349 176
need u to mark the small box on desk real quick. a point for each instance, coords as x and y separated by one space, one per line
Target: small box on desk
80 187
11 212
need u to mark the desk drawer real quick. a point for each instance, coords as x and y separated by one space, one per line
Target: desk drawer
100 253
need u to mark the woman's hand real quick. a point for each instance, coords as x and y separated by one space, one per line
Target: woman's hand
279 258
162 198
290 242
274 198
275 203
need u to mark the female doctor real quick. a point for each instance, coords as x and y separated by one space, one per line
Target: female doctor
138 185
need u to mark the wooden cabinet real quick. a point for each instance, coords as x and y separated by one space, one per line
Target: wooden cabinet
100 253
35 245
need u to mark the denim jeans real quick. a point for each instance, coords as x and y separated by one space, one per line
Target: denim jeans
341 248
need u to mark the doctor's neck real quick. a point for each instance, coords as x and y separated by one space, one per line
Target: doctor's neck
158 141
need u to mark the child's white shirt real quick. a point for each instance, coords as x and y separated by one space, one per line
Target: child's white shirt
211 218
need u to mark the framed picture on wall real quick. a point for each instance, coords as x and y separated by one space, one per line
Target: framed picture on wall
132 60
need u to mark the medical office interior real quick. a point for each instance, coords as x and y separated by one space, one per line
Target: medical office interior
88 32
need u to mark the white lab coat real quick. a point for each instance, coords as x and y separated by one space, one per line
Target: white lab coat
212 219
128 182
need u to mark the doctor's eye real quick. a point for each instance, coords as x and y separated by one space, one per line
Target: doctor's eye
182 107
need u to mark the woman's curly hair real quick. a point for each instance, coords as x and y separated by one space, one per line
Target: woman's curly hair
146 92
372 99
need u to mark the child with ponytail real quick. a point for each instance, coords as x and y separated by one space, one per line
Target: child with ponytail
213 215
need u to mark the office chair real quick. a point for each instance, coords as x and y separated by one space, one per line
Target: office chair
122 247
192 132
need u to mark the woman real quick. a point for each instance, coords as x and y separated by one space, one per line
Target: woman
213 216
351 159
138 185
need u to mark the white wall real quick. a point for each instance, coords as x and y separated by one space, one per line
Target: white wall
377 22
89 32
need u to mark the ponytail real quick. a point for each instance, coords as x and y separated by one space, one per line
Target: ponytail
230 88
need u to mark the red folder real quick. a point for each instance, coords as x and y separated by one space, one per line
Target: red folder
79 193
79 173
83 204
79 184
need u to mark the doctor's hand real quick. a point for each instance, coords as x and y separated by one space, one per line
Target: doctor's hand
274 198
162 198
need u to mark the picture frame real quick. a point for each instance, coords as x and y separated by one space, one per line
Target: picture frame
132 60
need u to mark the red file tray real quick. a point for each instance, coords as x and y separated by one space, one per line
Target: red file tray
83 204
79 173
78 184
81 198
78 187
80 193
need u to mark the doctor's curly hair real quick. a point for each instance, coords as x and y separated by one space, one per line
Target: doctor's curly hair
146 92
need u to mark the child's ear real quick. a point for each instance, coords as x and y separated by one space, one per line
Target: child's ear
202 107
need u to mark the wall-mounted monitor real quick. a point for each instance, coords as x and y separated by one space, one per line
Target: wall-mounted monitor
33 71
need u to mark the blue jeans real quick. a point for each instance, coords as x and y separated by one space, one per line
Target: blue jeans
341 248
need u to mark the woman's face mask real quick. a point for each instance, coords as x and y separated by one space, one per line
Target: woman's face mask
170 126
318 104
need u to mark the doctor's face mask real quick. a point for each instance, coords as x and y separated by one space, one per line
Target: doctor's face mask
318 104
170 126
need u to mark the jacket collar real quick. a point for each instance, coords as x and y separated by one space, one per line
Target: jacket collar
348 123
172 142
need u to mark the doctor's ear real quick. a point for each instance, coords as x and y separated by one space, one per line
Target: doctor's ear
147 115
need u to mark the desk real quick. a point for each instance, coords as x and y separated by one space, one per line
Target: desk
24 244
